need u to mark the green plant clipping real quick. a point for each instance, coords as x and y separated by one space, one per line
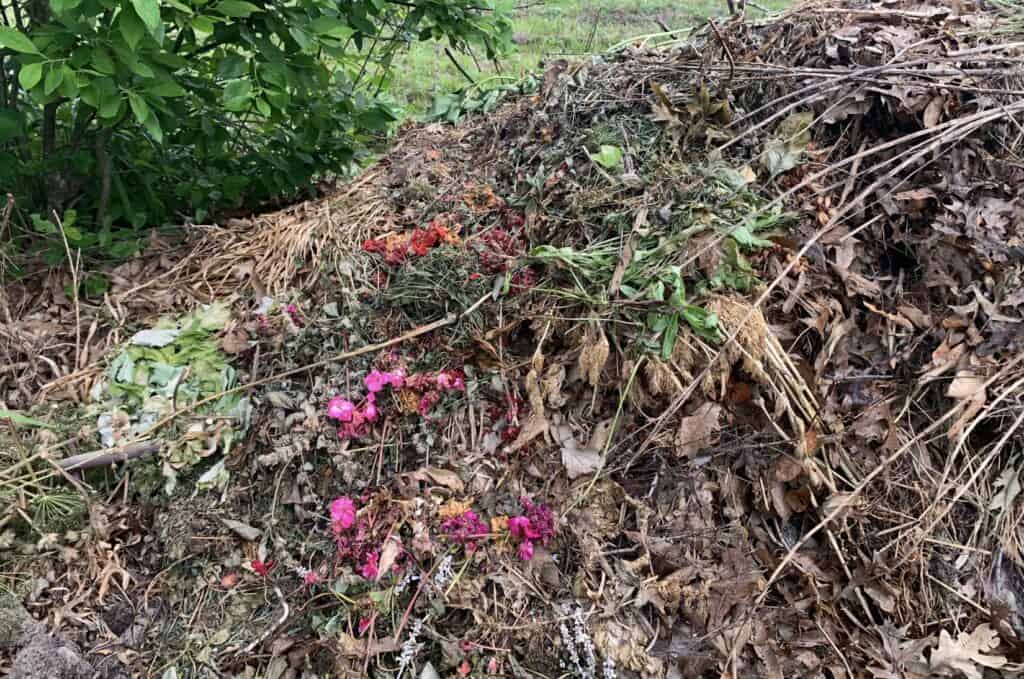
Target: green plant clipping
609 157
163 369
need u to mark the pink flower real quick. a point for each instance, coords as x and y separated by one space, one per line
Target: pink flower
311 578
450 380
364 624
261 568
369 569
375 381
340 409
520 528
465 529
396 378
537 523
343 513
427 402
370 412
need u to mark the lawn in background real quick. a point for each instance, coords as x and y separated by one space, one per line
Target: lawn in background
551 29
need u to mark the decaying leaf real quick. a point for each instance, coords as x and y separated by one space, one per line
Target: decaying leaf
593 355
577 461
391 551
698 430
966 652
242 530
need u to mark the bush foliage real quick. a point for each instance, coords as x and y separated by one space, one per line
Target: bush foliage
135 113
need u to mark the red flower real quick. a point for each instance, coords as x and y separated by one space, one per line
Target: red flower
363 625
422 240
261 568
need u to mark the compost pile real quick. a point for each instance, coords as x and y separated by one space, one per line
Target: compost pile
706 358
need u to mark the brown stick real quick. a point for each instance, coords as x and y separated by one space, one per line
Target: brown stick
101 458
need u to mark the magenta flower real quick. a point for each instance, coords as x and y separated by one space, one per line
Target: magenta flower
536 524
311 578
340 409
375 381
369 569
427 402
343 513
370 412
465 529
519 527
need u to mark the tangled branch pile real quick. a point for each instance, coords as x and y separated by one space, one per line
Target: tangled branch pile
773 276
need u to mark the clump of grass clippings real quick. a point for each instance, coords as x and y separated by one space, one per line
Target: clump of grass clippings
443 281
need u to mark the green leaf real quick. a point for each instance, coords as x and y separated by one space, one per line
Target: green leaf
743 235
203 25
166 88
668 339
53 80
30 75
377 119
332 28
141 69
236 94
362 24
139 107
152 125
608 157
149 12
69 82
131 27
12 125
13 39
236 8
102 62
23 420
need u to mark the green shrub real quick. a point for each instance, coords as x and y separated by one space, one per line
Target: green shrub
136 113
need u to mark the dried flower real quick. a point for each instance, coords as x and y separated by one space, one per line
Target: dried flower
427 402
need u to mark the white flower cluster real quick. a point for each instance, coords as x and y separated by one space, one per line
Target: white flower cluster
609 668
410 648
580 649
444 572
407 579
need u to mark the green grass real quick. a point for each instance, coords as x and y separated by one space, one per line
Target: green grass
550 30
